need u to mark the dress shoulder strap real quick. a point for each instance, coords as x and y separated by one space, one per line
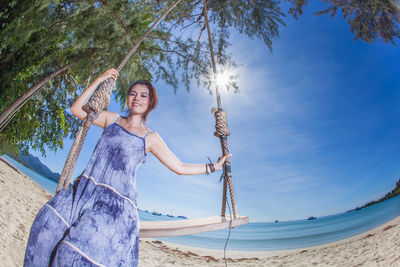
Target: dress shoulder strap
145 124
118 116
147 134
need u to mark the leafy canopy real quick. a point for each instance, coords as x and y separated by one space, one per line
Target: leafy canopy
40 36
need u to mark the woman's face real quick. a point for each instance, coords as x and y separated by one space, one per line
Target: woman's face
138 99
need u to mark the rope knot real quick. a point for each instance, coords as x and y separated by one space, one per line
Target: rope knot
101 98
90 118
221 124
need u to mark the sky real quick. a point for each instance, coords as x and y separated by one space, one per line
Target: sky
314 130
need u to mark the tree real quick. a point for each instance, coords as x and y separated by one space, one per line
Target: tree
25 56
41 36
369 20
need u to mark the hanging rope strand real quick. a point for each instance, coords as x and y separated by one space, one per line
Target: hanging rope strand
100 101
222 130
145 35
68 161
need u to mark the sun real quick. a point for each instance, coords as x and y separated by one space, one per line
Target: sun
223 78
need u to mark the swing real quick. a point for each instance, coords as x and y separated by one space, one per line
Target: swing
101 100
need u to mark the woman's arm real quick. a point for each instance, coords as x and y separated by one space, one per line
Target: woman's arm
157 146
105 117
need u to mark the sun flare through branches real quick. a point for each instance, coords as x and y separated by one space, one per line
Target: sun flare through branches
225 78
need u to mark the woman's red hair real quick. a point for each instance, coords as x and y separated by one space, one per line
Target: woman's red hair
152 95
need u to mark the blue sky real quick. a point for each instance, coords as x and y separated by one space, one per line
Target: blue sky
314 129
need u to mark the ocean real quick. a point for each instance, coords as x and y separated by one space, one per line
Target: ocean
263 236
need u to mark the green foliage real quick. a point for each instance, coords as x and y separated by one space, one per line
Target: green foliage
369 20
39 36
26 55
256 18
188 39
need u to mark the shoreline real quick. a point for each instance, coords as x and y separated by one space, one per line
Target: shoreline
379 246
21 198
268 253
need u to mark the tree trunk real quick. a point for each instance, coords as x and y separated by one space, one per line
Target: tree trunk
9 113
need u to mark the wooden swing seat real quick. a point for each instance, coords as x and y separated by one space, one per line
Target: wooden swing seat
188 226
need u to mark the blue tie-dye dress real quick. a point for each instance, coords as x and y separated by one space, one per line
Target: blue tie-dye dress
94 223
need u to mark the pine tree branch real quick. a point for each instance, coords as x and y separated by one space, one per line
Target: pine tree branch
10 112
104 3
181 55
172 41
130 53
187 26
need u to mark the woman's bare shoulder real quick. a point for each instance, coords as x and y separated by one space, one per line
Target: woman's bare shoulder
153 139
153 135
110 117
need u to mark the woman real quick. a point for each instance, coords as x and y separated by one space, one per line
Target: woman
96 222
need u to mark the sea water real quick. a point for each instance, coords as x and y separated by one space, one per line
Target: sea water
295 234
270 235
49 185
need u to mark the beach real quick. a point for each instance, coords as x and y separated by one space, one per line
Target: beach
21 199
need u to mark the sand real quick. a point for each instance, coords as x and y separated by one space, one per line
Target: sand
21 198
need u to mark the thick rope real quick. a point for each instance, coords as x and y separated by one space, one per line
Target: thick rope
101 98
99 101
224 198
221 123
87 123
68 161
221 127
222 130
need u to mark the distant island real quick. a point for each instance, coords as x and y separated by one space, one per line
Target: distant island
393 193
36 165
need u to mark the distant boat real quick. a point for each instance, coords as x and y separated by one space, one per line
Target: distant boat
156 213
311 218
181 217
170 214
